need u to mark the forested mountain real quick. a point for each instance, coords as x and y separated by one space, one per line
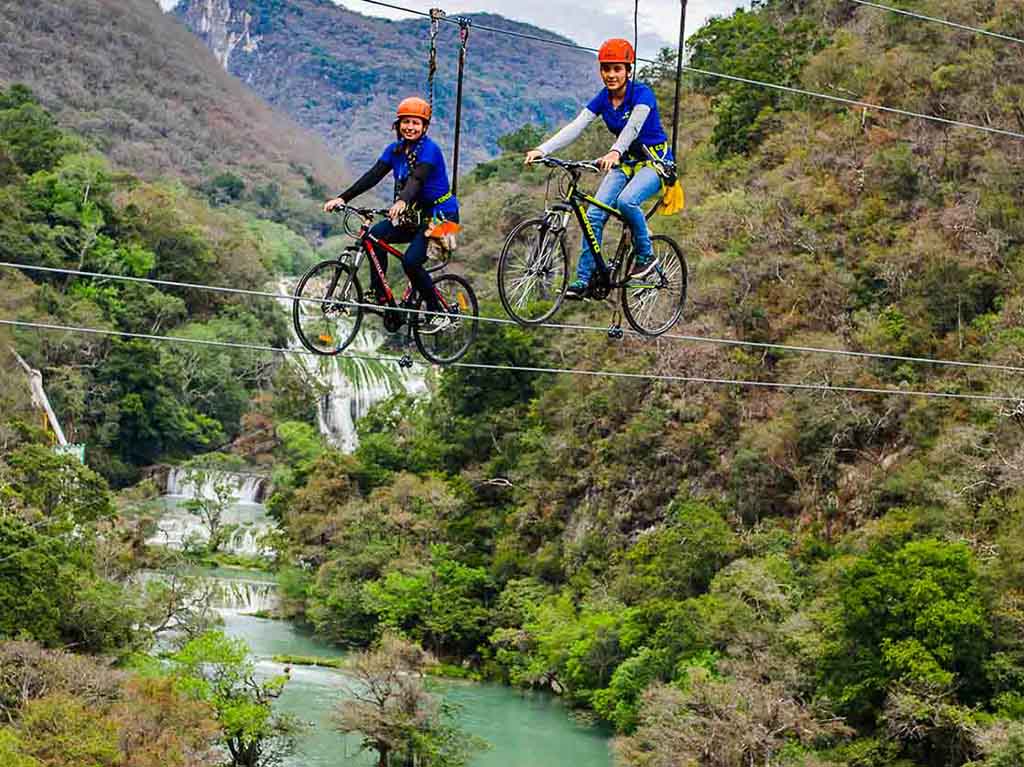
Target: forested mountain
341 74
150 96
726 575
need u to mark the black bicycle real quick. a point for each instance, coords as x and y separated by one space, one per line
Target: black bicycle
533 270
329 308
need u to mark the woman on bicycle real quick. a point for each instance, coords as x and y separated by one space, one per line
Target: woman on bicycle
630 111
422 194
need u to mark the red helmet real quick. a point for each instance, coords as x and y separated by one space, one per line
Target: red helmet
616 51
414 106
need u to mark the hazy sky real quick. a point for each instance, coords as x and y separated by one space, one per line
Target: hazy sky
659 19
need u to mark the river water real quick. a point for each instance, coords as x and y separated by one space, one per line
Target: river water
524 729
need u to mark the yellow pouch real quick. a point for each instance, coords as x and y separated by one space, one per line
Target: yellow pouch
673 201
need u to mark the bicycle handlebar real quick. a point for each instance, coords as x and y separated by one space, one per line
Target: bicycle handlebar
554 162
363 212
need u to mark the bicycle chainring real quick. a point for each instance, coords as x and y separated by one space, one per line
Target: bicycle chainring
600 287
393 320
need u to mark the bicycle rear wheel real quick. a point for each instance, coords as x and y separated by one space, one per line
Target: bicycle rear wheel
327 323
450 344
654 303
533 272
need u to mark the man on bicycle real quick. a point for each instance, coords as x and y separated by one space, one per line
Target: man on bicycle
630 112
422 195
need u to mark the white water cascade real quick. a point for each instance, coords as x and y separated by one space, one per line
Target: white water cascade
178 526
247 488
242 596
354 385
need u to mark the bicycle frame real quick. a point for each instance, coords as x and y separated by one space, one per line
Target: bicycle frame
575 200
366 243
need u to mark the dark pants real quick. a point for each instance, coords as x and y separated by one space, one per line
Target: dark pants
412 261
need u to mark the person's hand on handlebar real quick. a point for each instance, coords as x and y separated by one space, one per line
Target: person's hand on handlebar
396 210
532 156
333 204
609 161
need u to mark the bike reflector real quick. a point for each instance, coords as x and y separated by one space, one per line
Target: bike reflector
326 338
463 301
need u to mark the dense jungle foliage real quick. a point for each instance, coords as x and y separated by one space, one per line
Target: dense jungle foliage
133 402
726 576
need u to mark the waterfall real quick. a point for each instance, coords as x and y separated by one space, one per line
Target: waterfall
177 526
229 594
354 385
247 488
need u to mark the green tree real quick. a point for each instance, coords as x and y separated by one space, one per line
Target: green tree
915 615
217 670
56 484
748 44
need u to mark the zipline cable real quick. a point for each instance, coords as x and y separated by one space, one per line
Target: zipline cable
661 377
935 19
734 78
549 325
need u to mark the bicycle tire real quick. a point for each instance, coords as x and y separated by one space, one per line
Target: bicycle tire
517 293
449 345
326 328
666 288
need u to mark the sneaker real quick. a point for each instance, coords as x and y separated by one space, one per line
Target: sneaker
435 323
578 290
643 265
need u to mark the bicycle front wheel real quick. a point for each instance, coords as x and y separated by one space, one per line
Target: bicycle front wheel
654 303
328 320
451 343
533 272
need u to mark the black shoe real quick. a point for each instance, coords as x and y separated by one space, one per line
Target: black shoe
578 290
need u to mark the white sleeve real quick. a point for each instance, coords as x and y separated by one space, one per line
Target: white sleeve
569 133
632 129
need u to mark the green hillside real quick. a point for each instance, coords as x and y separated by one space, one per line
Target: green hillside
145 92
734 576
341 74
724 576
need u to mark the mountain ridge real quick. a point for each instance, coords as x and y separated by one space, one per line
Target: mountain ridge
151 97
341 73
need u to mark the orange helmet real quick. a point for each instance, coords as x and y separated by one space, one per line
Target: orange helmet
616 51
414 106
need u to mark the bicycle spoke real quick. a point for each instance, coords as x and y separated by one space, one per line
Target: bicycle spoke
532 272
654 303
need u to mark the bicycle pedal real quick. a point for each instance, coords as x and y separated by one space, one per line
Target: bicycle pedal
405 361
615 333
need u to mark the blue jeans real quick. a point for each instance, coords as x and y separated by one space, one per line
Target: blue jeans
626 195
412 260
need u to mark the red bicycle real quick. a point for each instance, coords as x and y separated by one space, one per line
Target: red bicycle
328 307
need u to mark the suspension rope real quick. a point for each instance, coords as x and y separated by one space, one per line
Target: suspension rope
734 78
660 377
464 25
767 346
937 20
436 14
679 78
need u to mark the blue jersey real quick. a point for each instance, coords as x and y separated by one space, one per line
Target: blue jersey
435 196
651 134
